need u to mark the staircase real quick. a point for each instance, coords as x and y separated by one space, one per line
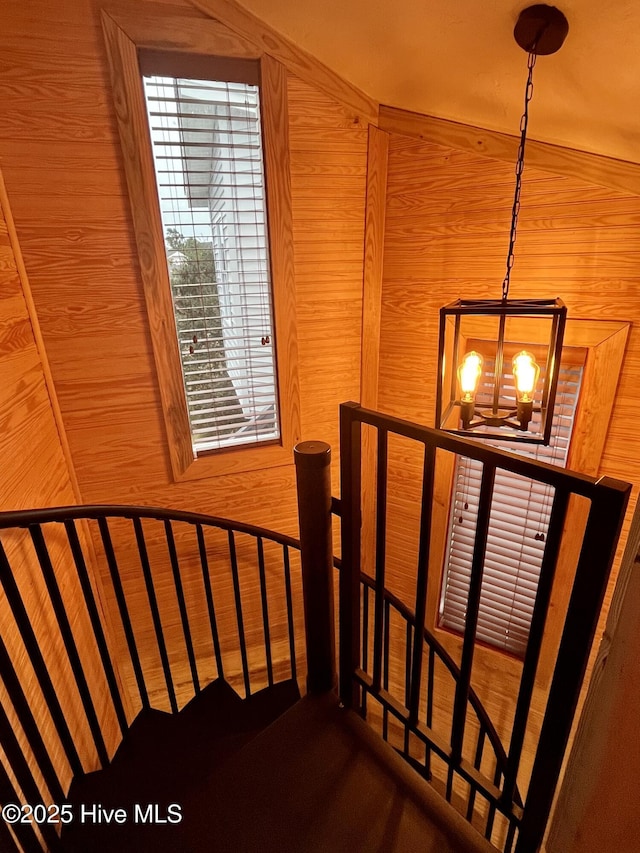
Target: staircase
170 759
316 779
271 771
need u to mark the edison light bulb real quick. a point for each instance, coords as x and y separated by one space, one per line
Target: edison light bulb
469 375
525 373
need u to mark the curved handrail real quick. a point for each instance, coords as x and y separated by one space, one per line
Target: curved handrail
25 518
102 513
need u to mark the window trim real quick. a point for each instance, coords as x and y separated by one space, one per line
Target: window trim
123 54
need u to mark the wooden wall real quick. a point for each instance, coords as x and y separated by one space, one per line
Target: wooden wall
447 223
34 472
61 155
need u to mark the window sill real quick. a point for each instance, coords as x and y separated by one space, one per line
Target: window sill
235 461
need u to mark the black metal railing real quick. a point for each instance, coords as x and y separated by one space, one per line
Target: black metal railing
364 665
152 560
434 651
186 598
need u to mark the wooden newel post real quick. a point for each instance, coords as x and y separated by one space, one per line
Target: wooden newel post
313 476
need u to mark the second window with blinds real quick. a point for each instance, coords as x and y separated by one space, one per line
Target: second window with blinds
519 518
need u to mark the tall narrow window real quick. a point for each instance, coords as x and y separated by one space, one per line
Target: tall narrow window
519 519
207 149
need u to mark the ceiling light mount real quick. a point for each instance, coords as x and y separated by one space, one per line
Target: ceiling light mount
541 29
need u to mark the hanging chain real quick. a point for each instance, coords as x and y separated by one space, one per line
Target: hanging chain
519 167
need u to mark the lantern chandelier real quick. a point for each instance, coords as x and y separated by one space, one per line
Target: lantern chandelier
499 359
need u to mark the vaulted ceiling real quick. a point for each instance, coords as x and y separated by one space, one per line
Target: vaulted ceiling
457 59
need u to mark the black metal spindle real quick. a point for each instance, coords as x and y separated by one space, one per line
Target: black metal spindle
208 592
24 832
365 628
365 643
491 814
449 786
407 663
499 363
265 610
238 602
96 624
350 480
23 774
407 678
123 610
477 762
51 582
385 682
30 727
534 643
182 605
287 587
32 646
381 544
430 684
428 479
155 613
511 834
7 841
473 607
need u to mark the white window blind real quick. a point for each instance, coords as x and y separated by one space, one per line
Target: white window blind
518 524
207 147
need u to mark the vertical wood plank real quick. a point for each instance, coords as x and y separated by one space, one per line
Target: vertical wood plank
275 117
375 209
377 156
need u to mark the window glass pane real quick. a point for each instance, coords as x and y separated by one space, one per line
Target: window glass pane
519 520
207 148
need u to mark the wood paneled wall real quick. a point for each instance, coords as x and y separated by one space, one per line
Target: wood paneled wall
61 155
328 185
34 473
447 224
